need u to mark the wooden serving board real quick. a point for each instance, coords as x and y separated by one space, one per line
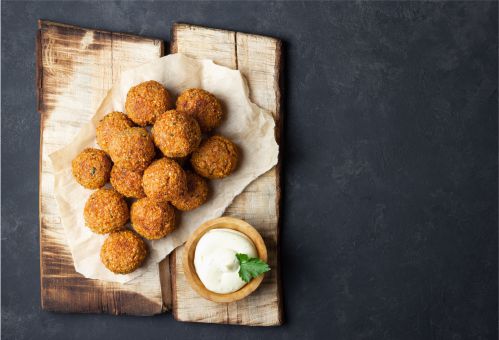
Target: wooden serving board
75 68
259 60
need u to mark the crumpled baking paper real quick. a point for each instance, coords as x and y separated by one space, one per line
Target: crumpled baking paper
249 126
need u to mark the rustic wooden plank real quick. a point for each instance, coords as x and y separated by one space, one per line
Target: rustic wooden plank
75 69
259 59
199 42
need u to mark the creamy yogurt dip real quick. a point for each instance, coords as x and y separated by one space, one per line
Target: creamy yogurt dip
215 259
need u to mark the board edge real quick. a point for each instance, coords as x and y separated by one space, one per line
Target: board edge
173 271
279 126
38 81
180 24
42 23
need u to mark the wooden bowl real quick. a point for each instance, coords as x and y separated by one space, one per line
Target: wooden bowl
190 248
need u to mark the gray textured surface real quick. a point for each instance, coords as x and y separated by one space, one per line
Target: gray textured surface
390 202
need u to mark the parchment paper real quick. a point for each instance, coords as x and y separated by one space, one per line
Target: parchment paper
249 126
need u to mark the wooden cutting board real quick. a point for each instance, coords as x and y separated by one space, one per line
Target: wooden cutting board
75 68
259 60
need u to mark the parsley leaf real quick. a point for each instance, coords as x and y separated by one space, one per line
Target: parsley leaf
250 267
92 171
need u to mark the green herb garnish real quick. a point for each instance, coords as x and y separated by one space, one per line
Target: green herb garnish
92 172
250 267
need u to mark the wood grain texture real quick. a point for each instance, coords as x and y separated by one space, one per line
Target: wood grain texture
259 59
75 69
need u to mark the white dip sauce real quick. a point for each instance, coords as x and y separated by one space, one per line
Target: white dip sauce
215 259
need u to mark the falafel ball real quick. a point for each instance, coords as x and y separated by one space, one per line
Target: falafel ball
91 168
109 126
164 180
217 157
203 106
123 252
176 134
146 101
127 182
132 149
105 211
151 219
196 194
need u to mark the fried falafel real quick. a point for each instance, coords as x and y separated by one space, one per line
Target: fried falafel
123 252
146 101
105 211
132 149
164 180
176 134
127 182
91 168
109 126
153 220
217 157
196 194
203 106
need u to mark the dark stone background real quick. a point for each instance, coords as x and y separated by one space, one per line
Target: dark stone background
389 226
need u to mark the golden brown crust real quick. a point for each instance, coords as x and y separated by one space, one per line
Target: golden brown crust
105 211
132 149
217 157
109 126
127 182
151 219
91 168
196 194
164 180
176 134
123 252
203 106
146 101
